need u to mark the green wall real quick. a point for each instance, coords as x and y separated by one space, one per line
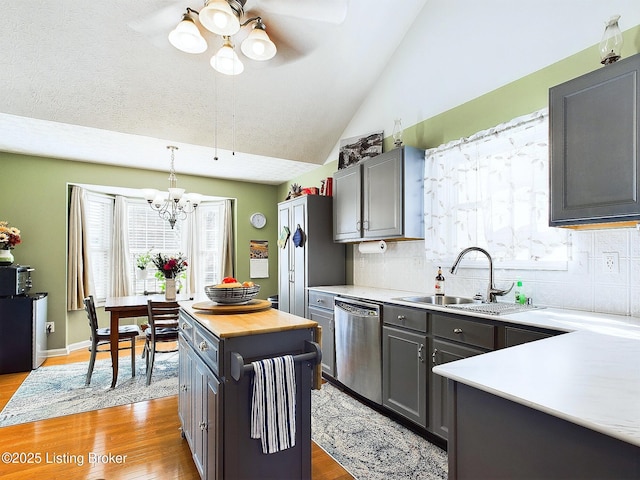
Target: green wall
33 198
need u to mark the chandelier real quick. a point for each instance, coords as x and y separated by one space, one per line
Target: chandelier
223 17
173 205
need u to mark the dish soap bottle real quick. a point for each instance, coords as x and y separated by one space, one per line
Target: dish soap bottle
520 298
440 282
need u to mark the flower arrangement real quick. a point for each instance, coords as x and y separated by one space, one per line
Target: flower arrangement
9 236
143 260
170 266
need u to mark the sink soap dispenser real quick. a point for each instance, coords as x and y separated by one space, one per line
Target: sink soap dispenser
439 282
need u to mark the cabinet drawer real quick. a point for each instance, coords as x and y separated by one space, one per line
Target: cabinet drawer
186 326
517 336
207 346
413 318
321 299
464 331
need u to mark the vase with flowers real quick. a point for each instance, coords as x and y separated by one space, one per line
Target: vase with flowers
9 238
142 260
170 267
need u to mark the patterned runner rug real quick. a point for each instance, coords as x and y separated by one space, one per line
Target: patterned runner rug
59 390
369 445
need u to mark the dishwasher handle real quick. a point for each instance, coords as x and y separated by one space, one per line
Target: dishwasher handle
357 308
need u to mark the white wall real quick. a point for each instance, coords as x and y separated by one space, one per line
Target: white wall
584 286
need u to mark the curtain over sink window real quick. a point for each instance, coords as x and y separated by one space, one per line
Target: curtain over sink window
492 190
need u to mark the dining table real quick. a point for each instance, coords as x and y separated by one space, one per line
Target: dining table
127 307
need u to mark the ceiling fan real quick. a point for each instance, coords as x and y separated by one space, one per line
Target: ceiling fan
226 18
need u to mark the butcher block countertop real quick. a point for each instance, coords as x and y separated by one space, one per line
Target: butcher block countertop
251 323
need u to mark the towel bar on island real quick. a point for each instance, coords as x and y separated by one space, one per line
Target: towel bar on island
312 354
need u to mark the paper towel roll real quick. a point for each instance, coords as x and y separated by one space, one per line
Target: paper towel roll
373 247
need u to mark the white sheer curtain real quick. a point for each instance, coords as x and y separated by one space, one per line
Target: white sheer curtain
492 190
120 280
78 277
192 242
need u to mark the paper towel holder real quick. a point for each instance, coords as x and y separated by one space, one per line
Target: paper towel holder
379 246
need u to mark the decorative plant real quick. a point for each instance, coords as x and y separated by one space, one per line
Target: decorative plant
9 236
170 266
143 260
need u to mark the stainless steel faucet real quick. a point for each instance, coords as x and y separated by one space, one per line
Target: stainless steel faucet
492 291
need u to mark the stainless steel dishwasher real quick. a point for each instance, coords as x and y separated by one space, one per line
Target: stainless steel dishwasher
358 344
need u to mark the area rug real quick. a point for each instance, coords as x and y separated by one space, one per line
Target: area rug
369 445
60 390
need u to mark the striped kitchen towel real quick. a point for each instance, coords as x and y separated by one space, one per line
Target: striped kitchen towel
273 405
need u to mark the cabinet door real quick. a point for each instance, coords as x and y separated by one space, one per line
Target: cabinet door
199 392
325 320
347 204
298 292
382 195
517 336
444 352
284 261
185 394
404 373
213 462
595 152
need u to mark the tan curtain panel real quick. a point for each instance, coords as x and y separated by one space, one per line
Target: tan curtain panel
78 278
227 243
121 266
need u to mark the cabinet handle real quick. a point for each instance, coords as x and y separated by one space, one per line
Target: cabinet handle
365 225
186 326
203 426
319 300
433 356
183 388
402 318
358 225
420 353
457 331
203 346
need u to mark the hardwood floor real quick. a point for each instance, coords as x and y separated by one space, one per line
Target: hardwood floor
139 441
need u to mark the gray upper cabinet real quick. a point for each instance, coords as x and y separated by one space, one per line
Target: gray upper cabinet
380 198
316 261
595 146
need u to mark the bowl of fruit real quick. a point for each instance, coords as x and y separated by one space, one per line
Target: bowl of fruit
232 292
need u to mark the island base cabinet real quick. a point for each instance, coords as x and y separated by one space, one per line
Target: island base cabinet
491 437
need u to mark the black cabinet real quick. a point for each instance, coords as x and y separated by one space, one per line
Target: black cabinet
595 146
321 311
381 197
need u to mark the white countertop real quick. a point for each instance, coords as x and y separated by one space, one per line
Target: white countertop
590 376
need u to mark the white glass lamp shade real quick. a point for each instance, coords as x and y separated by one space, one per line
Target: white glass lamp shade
158 201
186 37
226 61
176 193
218 17
194 198
258 45
149 194
611 43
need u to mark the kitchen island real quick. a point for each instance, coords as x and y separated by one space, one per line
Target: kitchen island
215 390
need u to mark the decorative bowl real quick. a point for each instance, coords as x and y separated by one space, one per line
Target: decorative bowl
232 295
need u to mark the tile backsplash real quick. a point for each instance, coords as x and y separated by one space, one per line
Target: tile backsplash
587 284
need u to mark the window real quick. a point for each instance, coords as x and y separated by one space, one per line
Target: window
492 190
147 231
99 213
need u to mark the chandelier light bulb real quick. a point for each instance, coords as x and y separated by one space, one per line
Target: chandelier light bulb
218 17
258 45
187 38
226 61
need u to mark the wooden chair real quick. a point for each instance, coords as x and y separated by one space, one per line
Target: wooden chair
163 327
100 338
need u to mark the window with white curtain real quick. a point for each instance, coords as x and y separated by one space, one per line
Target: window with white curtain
99 210
492 190
147 231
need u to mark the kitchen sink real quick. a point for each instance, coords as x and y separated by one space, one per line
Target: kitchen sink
437 300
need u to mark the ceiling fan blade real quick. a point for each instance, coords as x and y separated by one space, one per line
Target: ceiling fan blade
330 11
160 22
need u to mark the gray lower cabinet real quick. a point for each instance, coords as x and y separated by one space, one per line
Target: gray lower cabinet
214 409
404 374
380 198
321 311
595 146
455 338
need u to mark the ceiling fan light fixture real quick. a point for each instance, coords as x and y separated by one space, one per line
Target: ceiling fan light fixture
258 45
186 37
218 17
226 61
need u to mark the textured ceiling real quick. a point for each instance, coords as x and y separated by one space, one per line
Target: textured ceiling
99 82
108 66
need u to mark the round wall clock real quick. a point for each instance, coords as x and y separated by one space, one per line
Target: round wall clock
258 220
